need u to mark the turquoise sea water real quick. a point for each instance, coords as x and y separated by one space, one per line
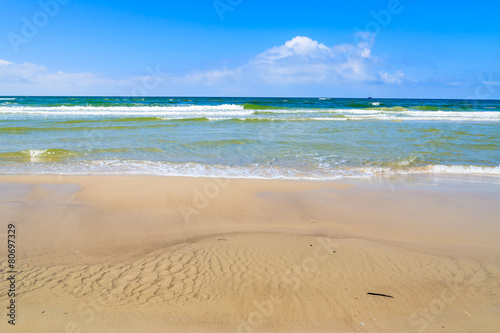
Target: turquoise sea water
297 138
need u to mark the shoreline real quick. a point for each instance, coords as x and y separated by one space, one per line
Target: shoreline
383 179
206 254
360 173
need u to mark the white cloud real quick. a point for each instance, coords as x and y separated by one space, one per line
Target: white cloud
302 60
396 78
25 72
298 46
11 73
29 78
299 62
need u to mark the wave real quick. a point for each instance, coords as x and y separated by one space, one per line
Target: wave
227 109
365 114
380 114
403 168
248 111
464 170
113 166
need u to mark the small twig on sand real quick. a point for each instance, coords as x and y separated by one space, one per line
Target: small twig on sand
374 294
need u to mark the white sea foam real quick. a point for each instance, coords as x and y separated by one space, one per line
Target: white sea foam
464 170
191 169
36 152
238 111
361 114
198 110
364 114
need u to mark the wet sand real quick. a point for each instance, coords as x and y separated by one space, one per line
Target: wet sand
166 254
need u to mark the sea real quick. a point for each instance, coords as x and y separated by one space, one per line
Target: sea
270 138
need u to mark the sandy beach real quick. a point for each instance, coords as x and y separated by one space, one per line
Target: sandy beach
233 166
167 254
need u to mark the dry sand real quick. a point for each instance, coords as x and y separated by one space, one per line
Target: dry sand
161 254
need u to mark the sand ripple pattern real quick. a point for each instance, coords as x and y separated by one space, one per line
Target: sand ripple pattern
172 275
202 273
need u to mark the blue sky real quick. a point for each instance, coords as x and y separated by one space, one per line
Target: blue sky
389 48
